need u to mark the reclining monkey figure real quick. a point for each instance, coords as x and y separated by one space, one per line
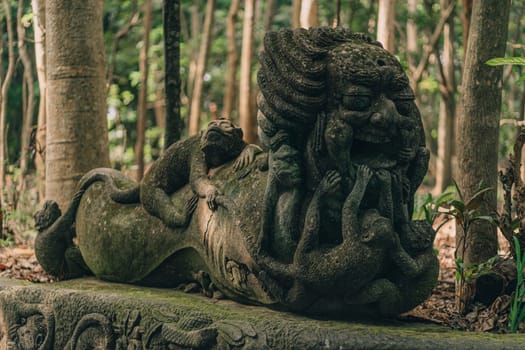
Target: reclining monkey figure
186 161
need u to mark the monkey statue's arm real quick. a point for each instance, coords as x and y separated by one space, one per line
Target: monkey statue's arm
246 157
200 182
350 224
411 267
310 236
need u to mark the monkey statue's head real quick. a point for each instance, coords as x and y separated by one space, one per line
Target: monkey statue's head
376 230
285 165
221 142
46 216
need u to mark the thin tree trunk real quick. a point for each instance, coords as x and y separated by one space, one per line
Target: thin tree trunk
77 135
337 18
143 89
465 16
478 132
196 98
39 24
309 13
247 119
133 21
232 60
385 23
27 122
193 46
412 46
447 107
296 13
5 86
172 85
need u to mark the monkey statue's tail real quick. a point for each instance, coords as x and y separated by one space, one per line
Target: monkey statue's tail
128 196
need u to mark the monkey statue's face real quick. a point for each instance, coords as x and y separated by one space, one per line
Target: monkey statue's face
221 142
46 216
285 166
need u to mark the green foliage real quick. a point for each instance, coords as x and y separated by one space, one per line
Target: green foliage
500 61
466 213
517 309
447 206
17 214
471 272
432 208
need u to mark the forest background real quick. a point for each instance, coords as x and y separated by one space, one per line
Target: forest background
219 41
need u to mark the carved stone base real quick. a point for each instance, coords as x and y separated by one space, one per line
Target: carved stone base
90 314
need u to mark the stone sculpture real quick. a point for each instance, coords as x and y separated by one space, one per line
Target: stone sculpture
320 223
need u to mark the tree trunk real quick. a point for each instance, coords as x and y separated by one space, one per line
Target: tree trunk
173 123
412 46
232 60
385 23
77 135
465 16
247 118
309 13
3 96
193 46
196 98
39 24
142 108
27 121
447 107
296 13
478 130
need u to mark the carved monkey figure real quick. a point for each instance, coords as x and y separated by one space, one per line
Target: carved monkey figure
186 161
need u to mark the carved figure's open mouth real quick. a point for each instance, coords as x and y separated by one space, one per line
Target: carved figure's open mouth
377 155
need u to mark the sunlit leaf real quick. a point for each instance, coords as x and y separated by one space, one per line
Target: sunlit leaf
498 61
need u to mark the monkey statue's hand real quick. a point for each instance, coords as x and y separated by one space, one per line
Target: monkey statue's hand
406 154
211 195
331 183
246 157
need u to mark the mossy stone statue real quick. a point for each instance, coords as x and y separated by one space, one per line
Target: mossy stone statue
318 223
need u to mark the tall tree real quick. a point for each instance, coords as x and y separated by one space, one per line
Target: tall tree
412 46
447 105
39 24
385 23
196 97
3 94
465 16
309 13
77 135
29 81
296 13
478 131
247 118
171 22
143 88
232 59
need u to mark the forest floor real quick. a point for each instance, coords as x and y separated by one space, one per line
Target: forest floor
19 262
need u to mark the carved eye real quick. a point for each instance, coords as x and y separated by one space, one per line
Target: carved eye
39 340
356 102
403 106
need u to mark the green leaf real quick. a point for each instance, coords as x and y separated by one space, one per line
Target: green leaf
477 198
459 205
458 191
498 61
447 219
444 198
